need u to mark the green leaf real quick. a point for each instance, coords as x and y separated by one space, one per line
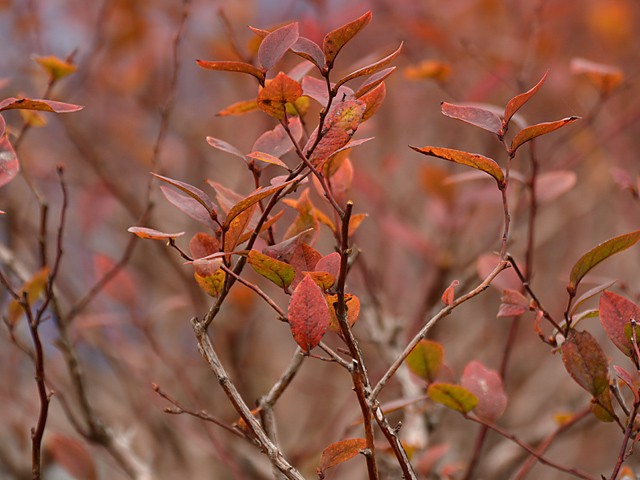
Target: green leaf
239 67
452 396
425 360
519 100
534 131
338 38
602 408
598 254
473 160
278 272
586 362
340 452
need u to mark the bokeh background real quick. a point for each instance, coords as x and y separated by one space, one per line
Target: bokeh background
428 224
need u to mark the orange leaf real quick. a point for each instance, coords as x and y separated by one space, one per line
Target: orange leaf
370 69
519 100
151 234
338 38
534 131
277 93
32 289
38 104
352 305
308 314
448 295
339 452
373 100
239 67
239 108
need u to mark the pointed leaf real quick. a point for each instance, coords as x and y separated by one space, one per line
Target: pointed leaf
629 380
278 272
373 100
534 131
239 108
224 146
473 160
452 396
586 362
150 233
265 226
352 304
277 93
485 384
448 296
355 221
598 254
308 314
519 100
239 67
373 81
276 44
254 198
425 360
616 313
338 38
9 165
267 158
309 50
590 294
339 126
340 452
276 142
194 192
237 227
32 289
284 250
370 69
474 115
38 104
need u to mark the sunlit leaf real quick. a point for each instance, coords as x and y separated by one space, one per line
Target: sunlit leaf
239 67
340 452
534 131
55 67
338 38
277 93
519 100
370 69
452 396
194 192
352 305
275 45
308 314
477 116
586 362
487 386
616 313
225 147
9 165
32 289
151 234
38 104
425 360
598 254
473 160
239 108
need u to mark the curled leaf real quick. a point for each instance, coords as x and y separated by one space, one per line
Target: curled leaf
448 295
151 234
534 131
513 303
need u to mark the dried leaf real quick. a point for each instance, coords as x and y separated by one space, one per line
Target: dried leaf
425 360
150 233
32 288
487 386
477 116
616 313
277 93
338 38
239 67
225 147
308 314
278 272
207 273
323 279
598 254
519 100
534 131
352 305
340 452
38 104
586 362
305 221
9 165
473 160
452 396
211 284
275 45
370 69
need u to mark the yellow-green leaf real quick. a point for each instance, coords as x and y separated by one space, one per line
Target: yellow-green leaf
425 360
278 272
452 396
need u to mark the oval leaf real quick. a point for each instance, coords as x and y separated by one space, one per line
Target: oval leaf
194 192
616 313
308 314
278 272
276 44
474 115
425 360
586 362
452 396
339 452
277 93
239 67
338 38
473 160
597 254
534 131
519 100
309 50
151 234
485 384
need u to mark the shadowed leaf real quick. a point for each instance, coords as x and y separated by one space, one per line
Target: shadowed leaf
452 396
323 279
519 100
629 380
265 226
534 131
586 362
275 45
207 272
277 93
474 115
32 289
487 386
189 206
237 227
38 104
339 452
616 313
370 69
194 192
225 147
239 67
338 38
352 304
284 250
276 142
598 254
9 165
151 234
278 272
473 160
373 81
425 360
308 314
329 263
513 303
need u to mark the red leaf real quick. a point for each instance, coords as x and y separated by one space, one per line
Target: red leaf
616 313
629 380
202 245
338 38
239 67
586 362
474 115
276 44
38 104
373 81
448 295
308 314
485 384
519 100
373 100
529 133
152 234
339 452
72 456
513 304
237 227
330 264
276 142
370 69
304 259
277 93
507 279
9 165
284 250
